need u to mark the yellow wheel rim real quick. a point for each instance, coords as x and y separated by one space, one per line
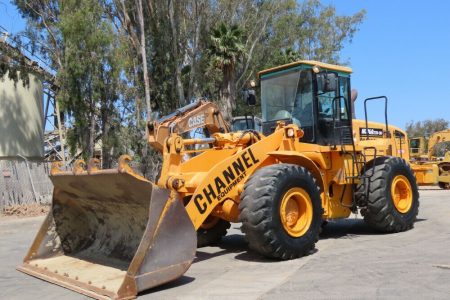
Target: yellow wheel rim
401 193
296 212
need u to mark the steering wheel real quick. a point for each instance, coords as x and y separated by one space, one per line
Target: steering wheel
282 114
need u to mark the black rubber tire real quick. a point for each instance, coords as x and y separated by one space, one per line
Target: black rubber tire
444 169
207 237
380 212
260 215
444 185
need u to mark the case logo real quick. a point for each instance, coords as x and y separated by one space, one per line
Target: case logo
196 121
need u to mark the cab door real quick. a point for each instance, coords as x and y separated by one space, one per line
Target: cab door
333 110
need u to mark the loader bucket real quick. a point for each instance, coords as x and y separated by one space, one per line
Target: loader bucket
111 234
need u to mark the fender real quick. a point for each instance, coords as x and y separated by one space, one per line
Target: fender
297 158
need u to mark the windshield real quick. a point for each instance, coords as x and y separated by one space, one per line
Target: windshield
239 124
277 95
288 96
242 124
414 143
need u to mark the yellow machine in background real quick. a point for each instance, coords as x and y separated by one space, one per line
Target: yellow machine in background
112 233
429 168
417 148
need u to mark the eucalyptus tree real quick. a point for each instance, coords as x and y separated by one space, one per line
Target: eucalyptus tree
81 46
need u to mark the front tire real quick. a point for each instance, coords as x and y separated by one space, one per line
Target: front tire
281 211
444 185
444 170
393 199
212 231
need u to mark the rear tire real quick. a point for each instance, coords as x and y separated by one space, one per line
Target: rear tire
212 234
281 211
444 185
392 203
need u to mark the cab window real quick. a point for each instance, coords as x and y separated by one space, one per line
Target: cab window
303 110
344 93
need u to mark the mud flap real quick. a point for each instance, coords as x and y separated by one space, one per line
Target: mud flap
111 234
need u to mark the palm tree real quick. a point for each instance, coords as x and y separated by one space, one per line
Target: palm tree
225 51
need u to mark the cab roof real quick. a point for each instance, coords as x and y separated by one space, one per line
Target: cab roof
311 63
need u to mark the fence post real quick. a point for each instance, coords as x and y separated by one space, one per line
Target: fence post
29 176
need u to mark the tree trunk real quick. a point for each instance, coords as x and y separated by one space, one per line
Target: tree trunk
227 98
92 132
192 89
173 15
144 58
106 147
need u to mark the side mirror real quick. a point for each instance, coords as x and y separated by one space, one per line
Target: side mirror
327 82
250 97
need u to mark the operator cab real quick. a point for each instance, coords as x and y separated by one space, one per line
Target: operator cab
246 122
312 95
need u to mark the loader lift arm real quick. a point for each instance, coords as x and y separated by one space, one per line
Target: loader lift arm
436 138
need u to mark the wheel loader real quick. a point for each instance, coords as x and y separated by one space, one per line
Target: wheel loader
112 233
200 118
428 168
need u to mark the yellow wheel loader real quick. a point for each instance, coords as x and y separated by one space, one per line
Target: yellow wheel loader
429 168
111 233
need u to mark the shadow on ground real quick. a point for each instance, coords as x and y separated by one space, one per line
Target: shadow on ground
347 228
236 244
172 284
350 228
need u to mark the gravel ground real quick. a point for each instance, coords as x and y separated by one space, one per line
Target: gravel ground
351 262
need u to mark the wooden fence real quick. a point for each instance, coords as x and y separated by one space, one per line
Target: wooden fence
24 182
28 182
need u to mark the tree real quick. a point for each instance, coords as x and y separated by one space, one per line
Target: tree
15 65
278 32
115 60
225 51
90 76
425 128
82 48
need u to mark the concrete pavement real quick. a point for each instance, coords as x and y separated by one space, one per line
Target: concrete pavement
351 262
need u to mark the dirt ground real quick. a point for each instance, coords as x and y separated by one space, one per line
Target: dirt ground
351 261
25 210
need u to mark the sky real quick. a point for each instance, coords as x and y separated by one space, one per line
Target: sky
401 51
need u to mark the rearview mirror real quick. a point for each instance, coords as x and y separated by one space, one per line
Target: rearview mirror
250 97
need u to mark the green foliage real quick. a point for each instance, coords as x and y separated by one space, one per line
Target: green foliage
194 48
425 128
226 46
90 77
14 65
286 56
225 50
